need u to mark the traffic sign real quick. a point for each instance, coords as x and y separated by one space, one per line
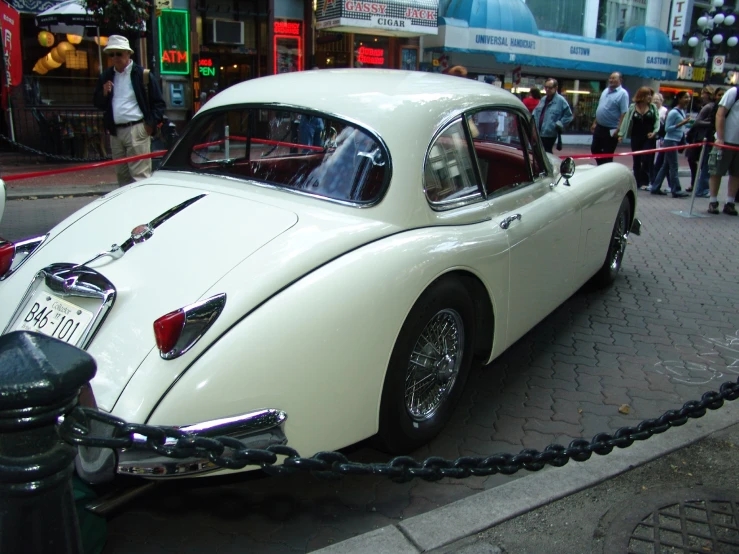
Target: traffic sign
718 64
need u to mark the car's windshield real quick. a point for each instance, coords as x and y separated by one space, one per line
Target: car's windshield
308 152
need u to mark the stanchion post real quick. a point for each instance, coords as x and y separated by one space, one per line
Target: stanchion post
694 184
40 379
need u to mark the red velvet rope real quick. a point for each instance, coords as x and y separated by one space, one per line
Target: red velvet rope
19 176
652 151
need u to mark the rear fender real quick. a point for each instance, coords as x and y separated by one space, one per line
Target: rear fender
319 349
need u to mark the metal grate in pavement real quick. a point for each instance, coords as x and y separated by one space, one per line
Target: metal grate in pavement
687 527
683 521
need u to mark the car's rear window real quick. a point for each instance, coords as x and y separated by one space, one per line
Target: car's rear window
307 152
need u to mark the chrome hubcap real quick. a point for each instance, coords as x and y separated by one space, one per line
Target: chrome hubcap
618 242
434 364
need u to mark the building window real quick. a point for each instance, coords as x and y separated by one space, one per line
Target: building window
615 17
564 16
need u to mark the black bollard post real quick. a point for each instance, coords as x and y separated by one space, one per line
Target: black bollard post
40 379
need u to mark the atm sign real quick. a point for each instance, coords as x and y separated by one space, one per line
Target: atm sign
174 42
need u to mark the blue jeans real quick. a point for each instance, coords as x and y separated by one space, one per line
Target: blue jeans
702 184
669 168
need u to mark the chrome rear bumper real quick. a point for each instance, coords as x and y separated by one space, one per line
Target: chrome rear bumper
257 429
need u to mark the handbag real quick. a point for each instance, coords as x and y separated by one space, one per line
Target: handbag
696 134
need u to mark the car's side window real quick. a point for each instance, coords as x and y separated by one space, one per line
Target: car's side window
449 174
500 148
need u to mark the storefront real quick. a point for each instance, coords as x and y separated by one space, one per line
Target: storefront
501 37
372 34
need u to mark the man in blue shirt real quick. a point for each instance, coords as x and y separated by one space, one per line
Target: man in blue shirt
551 115
612 106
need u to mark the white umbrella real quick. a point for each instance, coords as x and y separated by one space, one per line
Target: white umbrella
69 17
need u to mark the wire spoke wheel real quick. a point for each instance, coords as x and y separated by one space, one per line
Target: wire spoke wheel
434 364
618 241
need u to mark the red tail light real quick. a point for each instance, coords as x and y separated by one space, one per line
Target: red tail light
177 332
167 330
7 253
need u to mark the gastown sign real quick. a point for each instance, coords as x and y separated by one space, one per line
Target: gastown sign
510 47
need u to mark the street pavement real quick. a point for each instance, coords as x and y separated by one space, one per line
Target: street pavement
666 332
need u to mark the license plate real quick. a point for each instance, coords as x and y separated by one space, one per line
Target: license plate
55 317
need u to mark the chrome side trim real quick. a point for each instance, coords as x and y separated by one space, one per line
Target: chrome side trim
257 429
70 280
251 422
198 319
143 232
23 251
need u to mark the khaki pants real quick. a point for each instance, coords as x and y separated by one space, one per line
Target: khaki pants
131 141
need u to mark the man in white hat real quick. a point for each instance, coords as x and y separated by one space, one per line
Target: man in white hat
132 108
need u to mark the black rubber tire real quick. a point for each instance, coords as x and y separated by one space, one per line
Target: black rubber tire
616 247
398 432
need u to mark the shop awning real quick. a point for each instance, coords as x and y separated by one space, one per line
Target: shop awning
32 6
395 18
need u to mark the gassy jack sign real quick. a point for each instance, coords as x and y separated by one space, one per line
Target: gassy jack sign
397 17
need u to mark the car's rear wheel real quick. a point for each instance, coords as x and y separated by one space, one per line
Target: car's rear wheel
616 246
428 367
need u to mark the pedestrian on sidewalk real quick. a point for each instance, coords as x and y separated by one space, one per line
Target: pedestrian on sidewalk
674 136
698 132
723 160
533 98
659 159
133 109
704 152
612 107
642 125
552 115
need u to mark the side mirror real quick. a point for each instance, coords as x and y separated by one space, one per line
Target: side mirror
567 170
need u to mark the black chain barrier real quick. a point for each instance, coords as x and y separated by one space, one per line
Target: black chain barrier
229 453
57 157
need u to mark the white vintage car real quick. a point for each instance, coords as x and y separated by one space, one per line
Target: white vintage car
322 258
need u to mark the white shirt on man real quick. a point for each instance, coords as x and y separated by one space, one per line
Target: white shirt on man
731 123
125 106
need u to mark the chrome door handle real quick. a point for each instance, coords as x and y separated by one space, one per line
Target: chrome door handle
508 220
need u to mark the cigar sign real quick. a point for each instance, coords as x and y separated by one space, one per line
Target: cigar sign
394 18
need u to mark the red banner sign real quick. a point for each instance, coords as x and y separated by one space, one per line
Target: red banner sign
10 21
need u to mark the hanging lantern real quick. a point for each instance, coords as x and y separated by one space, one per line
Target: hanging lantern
101 41
50 62
74 39
46 39
40 69
64 48
57 55
42 64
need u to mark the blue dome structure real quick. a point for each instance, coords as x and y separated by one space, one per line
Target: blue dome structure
651 38
501 15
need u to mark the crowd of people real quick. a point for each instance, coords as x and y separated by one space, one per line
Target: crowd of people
650 125
135 110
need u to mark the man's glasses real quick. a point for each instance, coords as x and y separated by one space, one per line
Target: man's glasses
116 54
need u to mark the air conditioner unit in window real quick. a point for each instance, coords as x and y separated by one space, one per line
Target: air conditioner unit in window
226 31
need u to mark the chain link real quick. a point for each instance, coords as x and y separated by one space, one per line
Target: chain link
226 452
51 156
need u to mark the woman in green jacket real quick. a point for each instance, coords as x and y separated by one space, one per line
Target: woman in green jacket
641 122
